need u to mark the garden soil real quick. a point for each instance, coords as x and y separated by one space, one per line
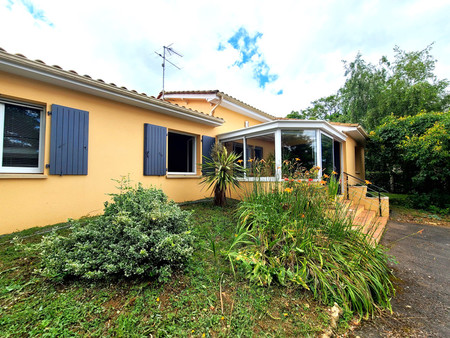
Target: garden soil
422 302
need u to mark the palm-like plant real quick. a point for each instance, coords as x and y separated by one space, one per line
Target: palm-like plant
222 172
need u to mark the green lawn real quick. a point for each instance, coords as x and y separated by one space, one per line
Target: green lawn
205 299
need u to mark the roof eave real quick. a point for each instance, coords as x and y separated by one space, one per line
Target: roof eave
269 127
30 69
213 96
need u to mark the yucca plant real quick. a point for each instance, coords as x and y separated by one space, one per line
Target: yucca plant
221 172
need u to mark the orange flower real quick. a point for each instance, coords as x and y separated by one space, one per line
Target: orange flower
420 231
286 179
250 160
288 190
310 179
368 182
297 159
240 161
334 173
303 215
262 160
323 182
326 176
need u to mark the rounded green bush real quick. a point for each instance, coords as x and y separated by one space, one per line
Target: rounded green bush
140 233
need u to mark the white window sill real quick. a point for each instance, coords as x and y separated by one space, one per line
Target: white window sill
183 176
27 176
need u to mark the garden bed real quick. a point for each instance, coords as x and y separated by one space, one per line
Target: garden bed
204 299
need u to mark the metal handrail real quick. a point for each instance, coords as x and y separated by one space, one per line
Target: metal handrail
363 181
369 188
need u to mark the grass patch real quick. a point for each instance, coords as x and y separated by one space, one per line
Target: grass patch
401 211
205 298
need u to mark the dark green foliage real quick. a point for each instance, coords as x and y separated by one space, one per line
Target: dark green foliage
292 235
140 233
411 154
438 203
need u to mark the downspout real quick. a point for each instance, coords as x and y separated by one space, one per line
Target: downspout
218 104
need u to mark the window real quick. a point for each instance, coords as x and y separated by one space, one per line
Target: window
327 154
181 153
299 146
21 138
260 155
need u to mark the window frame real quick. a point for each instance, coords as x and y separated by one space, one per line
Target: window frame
23 170
194 154
245 155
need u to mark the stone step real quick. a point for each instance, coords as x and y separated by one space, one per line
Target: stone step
366 221
365 218
380 227
354 210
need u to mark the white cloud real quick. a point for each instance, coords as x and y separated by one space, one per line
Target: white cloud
302 42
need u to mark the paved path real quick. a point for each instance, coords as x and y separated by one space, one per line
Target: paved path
422 304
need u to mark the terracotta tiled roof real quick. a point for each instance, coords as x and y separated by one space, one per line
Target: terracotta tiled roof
40 66
224 95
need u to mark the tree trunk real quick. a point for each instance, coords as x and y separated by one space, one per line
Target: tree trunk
220 198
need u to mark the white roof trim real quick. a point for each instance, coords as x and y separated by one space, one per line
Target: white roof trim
357 133
96 88
226 103
285 125
244 111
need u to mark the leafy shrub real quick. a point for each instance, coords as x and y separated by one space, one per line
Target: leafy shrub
435 202
140 233
287 233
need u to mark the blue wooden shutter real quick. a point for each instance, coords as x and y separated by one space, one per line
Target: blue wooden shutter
207 144
69 141
154 150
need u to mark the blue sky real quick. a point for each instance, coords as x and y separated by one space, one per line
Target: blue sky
249 53
275 56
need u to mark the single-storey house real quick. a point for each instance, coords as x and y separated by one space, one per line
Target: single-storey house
64 137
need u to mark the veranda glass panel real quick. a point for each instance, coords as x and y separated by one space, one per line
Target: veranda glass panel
327 154
237 147
21 137
261 156
299 152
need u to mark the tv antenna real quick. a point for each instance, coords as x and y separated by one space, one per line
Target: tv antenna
167 50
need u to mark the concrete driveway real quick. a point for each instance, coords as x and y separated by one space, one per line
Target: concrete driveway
422 303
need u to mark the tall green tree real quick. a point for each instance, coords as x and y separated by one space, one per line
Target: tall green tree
325 108
403 87
362 93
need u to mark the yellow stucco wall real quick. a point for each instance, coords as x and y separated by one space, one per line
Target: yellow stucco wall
232 119
353 155
116 145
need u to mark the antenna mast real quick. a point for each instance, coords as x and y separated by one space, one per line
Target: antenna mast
169 50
